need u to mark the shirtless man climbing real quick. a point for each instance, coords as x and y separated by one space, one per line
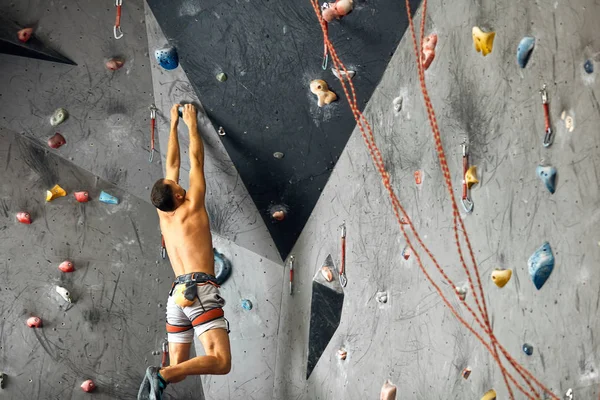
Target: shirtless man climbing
194 305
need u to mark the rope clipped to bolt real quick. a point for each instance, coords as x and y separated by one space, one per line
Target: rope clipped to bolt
368 136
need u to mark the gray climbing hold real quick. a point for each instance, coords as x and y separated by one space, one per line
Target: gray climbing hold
278 155
541 264
64 293
381 297
221 131
59 116
341 74
246 304
569 394
528 349
221 77
398 104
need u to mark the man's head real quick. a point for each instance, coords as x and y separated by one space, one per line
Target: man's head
167 195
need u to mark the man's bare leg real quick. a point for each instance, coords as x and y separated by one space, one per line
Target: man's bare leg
217 360
178 353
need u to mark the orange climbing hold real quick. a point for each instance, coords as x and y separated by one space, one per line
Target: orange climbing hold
114 64
34 322
418 177
337 10
428 50
324 95
327 273
66 266
388 391
88 386
55 193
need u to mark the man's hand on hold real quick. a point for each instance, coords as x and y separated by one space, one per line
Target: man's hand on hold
175 114
189 115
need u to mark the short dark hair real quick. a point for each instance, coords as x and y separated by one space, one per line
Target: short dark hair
162 196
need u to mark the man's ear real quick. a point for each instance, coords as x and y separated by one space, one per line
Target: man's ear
179 196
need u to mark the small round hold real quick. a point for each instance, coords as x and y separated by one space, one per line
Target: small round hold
418 177
66 266
406 253
24 217
246 304
279 215
25 34
528 349
278 155
398 104
588 66
221 77
466 373
56 141
88 386
381 297
82 197
461 293
114 64
221 131
34 322
342 354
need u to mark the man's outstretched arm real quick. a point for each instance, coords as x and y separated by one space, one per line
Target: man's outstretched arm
197 182
173 158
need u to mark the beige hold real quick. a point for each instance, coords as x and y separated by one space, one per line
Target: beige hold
501 277
489 395
324 95
388 391
569 122
342 354
327 273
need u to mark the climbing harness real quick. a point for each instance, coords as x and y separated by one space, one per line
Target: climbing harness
291 275
163 247
117 30
548 132
152 129
343 280
466 201
326 34
165 353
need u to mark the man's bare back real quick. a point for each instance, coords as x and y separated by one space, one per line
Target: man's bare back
188 239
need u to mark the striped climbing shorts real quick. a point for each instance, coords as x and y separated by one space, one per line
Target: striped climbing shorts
204 314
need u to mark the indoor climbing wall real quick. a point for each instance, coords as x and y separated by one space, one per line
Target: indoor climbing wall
393 324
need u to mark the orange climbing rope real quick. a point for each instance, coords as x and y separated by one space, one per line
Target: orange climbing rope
368 136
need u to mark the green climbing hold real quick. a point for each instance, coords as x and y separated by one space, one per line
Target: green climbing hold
221 77
59 116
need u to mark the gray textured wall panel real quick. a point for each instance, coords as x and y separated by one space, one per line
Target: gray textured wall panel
413 339
108 131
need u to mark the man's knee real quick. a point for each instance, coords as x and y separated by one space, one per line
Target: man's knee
223 365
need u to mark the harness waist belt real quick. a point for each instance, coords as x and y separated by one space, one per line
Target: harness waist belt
196 277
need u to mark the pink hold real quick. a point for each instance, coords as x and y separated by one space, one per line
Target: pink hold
337 10
114 64
88 386
428 50
25 34
24 217
34 322
56 141
82 197
66 266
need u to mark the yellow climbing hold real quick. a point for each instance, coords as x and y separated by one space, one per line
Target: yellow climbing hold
483 41
55 193
489 395
471 176
501 276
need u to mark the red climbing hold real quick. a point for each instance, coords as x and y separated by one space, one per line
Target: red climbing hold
66 266
88 386
82 197
406 253
56 141
24 217
34 322
114 64
279 215
418 177
428 50
25 34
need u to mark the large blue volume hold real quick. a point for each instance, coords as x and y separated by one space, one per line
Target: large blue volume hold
524 50
222 267
541 264
167 58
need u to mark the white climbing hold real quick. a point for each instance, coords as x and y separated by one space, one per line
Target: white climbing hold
64 293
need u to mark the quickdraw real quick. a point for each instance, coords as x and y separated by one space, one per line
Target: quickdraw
291 275
466 201
152 129
548 132
117 29
163 247
165 353
343 280
326 33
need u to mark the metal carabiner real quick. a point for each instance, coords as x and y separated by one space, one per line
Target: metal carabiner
152 129
467 204
544 94
117 28
548 138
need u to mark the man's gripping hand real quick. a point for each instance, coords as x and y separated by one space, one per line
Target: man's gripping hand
189 115
175 114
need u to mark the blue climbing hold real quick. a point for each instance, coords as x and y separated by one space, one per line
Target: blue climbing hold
588 66
528 349
246 304
541 264
167 58
524 50
548 176
108 199
222 267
